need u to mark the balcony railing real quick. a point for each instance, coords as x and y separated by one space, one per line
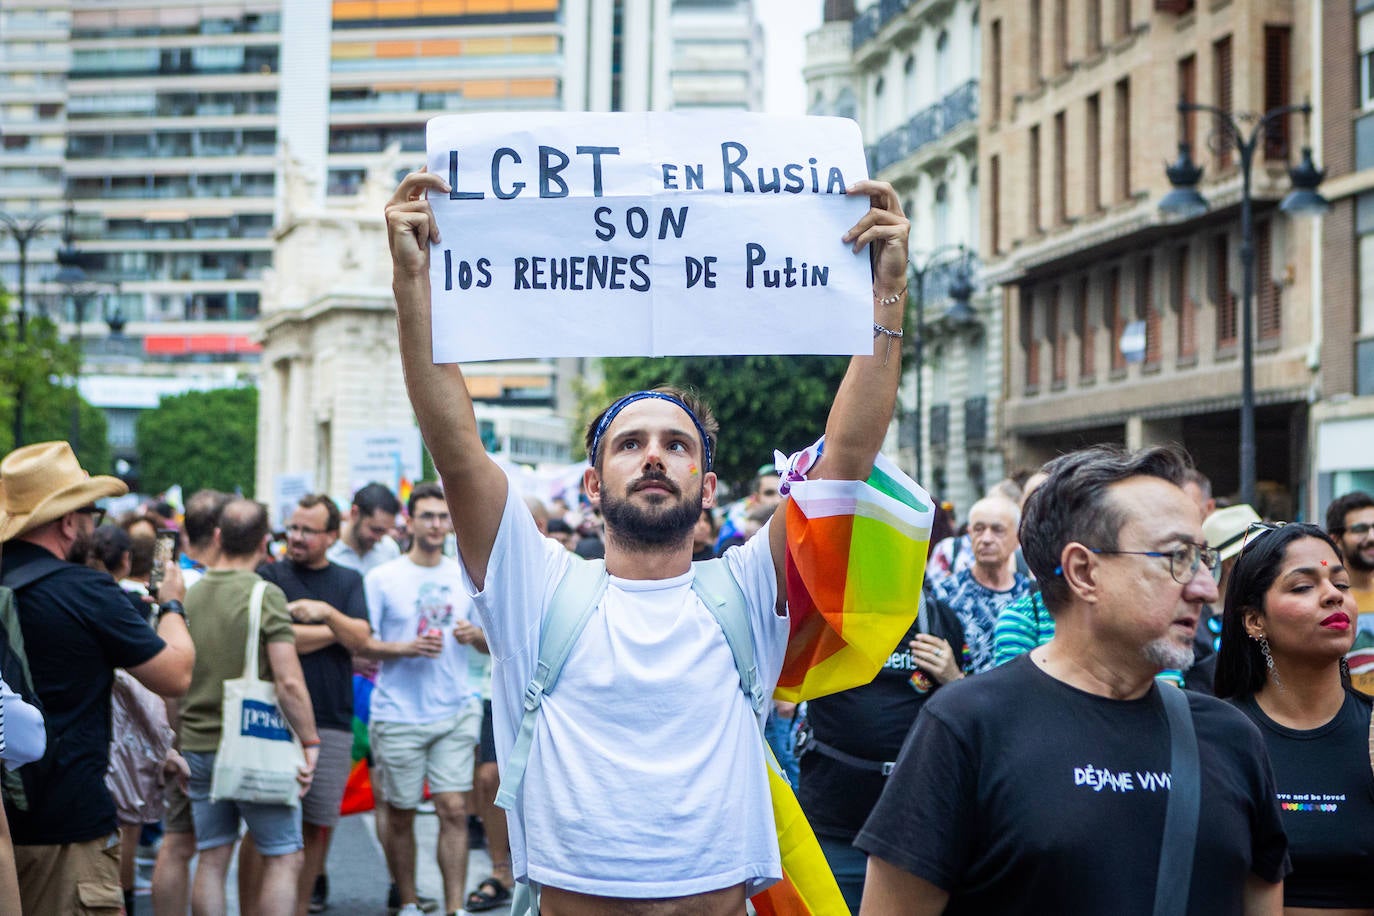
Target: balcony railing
939 424
926 126
975 419
871 21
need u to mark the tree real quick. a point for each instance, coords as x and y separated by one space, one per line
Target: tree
39 365
200 439
762 402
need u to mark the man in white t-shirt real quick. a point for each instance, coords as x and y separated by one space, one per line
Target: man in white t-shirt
646 788
426 710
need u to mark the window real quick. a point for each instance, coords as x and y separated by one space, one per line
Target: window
1146 309
1092 129
1036 40
1114 320
1123 139
1187 91
995 202
941 211
911 83
1277 73
1030 342
1366 54
1054 330
1221 90
1094 25
1123 18
1033 183
1086 328
1222 297
1269 305
1060 172
943 68
995 89
1185 304
1061 35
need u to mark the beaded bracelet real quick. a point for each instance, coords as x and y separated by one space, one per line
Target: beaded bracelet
894 298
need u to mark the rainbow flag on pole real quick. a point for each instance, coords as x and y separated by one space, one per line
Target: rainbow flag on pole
856 557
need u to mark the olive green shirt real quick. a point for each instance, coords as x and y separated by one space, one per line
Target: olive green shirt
217 616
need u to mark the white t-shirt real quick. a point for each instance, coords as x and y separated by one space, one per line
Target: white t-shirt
404 600
384 551
646 776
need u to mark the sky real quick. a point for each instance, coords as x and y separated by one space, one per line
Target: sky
785 24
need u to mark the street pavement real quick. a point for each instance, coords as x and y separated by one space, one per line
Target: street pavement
357 872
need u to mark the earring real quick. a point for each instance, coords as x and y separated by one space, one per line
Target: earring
1269 661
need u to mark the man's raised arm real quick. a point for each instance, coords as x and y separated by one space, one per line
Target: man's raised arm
474 485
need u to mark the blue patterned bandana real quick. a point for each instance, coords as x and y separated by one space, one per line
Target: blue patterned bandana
629 399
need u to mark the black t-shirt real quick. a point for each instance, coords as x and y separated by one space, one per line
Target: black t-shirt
1326 792
1020 794
78 627
328 671
869 722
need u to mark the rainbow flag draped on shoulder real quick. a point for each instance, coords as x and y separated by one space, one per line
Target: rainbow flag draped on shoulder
856 557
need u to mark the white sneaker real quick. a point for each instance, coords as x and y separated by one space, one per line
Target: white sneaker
410 909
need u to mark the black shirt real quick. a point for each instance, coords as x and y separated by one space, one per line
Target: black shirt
328 671
1018 793
869 722
1326 792
78 627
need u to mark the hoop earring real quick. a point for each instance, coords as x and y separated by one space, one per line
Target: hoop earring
1269 661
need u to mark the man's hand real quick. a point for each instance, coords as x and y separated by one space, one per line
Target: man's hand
410 224
305 775
428 645
176 767
173 587
466 632
935 657
884 228
309 610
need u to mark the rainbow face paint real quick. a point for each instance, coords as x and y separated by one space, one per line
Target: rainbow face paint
693 470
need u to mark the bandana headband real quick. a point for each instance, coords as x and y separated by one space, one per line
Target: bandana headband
614 410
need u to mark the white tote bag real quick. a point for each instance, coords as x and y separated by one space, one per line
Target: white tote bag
259 754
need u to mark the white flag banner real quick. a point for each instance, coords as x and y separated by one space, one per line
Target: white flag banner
646 235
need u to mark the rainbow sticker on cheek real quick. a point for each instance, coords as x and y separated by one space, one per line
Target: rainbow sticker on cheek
692 469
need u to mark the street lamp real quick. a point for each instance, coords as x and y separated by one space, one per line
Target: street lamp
23 232
959 314
1185 202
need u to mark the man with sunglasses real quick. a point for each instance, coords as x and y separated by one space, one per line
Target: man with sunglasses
1350 520
77 628
1042 786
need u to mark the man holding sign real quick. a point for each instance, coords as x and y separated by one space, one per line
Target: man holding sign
645 789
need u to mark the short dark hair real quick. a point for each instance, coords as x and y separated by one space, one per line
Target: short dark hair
1074 505
311 500
202 515
243 523
1342 505
108 544
694 403
376 497
1241 668
141 545
428 490
558 526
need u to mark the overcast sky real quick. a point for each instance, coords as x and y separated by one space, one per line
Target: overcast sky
785 24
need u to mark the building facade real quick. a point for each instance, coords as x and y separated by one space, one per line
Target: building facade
1120 325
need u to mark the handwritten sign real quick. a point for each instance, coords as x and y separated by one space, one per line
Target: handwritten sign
646 235
384 456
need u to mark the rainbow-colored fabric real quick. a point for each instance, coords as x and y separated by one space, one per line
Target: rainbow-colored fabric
856 556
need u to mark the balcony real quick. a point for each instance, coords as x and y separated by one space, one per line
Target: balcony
975 420
939 425
871 21
925 127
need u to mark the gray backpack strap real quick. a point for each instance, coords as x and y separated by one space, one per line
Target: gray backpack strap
715 585
572 604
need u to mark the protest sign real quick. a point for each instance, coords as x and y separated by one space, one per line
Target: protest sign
287 489
646 234
385 456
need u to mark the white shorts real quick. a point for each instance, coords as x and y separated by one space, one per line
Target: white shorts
404 756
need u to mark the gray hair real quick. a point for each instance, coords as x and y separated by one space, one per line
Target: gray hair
1073 505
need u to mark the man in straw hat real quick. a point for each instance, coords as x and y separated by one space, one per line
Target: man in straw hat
77 627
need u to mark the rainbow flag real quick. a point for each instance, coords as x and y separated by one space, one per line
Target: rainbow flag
856 557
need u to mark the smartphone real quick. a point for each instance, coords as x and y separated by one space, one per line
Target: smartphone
164 552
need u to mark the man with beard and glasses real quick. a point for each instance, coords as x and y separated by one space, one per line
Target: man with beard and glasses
1350 520
646 788
1041 786
77 627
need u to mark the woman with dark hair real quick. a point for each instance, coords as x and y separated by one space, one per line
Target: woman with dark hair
1288 623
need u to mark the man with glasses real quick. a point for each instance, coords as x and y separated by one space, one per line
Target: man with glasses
77 627
427 708
328 606
1041 786
1350 520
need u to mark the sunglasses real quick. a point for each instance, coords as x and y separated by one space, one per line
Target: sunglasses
96 513
1255 530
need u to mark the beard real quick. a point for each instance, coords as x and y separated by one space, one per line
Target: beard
638 528
1168 654
80 550
1356 561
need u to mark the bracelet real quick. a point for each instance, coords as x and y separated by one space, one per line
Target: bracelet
879 329
171 606
315 743
894 298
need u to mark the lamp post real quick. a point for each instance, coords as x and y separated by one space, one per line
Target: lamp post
23 232
71 274
1185 202
958 314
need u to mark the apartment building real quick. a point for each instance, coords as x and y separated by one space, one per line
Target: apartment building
1122 326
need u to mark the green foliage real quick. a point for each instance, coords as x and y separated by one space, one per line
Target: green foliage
200 439
762 402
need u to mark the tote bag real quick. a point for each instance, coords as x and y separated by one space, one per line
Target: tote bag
259 755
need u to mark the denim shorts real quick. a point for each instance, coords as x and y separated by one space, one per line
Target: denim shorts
276 829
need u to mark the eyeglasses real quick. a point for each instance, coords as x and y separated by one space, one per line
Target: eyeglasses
303 531
1255 529
96 513
1359 529
1184 559
433 518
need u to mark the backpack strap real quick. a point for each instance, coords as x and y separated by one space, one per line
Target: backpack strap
717 588
31 572
572 604
1175 876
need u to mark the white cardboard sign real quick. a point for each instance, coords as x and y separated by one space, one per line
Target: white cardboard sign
646 235
384 456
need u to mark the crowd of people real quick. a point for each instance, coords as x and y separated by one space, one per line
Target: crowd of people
1025 746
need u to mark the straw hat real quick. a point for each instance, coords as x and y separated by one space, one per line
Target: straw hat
43 482
1225 529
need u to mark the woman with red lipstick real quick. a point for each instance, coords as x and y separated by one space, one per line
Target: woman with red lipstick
1288 623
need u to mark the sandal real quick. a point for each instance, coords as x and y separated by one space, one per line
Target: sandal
489 895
